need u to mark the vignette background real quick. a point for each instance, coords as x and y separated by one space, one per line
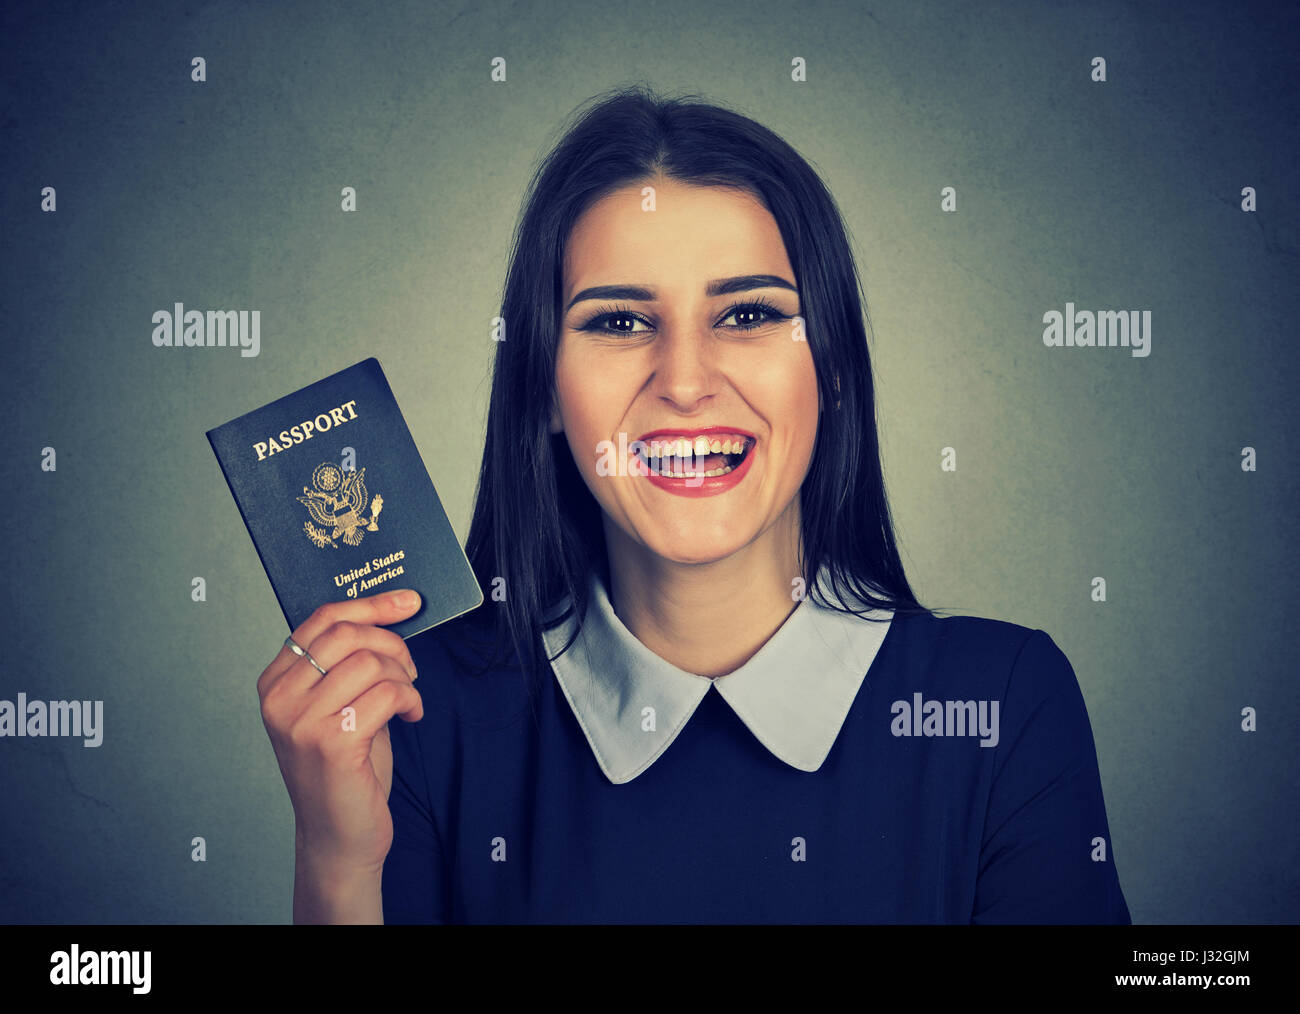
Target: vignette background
1072 463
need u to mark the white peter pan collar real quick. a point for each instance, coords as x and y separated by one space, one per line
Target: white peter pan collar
793 694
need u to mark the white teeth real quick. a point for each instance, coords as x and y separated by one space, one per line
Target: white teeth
679 457
691 474
682 446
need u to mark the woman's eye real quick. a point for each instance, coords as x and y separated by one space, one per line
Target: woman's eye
626 322
748 317
753 315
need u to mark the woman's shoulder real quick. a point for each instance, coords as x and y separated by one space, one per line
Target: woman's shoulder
968 649
944 632
919 635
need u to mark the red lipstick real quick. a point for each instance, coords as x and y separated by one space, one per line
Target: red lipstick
698 485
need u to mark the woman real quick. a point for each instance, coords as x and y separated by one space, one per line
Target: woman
681 493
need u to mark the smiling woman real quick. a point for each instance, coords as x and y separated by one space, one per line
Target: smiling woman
692 280
680 702
671 364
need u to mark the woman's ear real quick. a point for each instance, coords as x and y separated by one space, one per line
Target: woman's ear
557 426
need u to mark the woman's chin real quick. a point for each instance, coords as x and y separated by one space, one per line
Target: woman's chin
694 550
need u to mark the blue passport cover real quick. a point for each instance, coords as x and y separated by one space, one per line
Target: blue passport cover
339 504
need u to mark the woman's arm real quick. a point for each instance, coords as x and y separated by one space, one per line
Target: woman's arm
1046 854
323 895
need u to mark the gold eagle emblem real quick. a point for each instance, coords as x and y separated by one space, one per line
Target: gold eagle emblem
336 501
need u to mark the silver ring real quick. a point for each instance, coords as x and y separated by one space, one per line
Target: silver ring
298 649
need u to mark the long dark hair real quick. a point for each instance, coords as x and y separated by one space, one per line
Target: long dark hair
536 524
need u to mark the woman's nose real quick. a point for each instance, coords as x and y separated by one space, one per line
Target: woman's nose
685 366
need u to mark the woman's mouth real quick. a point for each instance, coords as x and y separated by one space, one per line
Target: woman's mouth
700 457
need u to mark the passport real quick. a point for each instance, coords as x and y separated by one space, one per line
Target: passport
339 504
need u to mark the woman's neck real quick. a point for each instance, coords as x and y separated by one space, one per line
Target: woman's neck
706 618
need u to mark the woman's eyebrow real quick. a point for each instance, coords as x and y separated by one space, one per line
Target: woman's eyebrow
717 287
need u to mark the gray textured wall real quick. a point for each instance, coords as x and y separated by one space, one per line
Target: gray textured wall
1072 463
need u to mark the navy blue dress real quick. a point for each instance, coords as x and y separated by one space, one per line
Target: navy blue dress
915 770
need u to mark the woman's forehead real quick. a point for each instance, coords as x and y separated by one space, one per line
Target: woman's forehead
682 237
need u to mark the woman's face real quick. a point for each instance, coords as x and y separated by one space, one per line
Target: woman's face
661 359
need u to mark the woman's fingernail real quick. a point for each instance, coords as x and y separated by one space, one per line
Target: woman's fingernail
405 599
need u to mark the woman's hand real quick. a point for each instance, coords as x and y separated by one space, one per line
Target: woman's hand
338 764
